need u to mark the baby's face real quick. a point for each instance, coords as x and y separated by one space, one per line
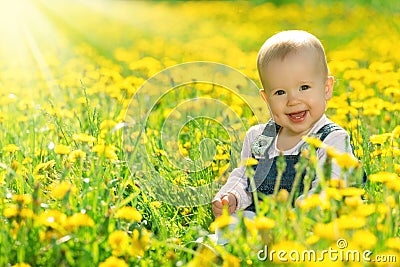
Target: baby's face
297 90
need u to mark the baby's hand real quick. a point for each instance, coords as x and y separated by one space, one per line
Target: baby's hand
226 200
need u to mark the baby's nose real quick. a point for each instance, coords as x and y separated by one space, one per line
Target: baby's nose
293 98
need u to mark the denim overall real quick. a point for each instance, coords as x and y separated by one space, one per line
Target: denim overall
266 169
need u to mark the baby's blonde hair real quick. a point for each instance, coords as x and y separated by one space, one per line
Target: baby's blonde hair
282 43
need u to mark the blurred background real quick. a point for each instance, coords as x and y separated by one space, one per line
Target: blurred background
47 47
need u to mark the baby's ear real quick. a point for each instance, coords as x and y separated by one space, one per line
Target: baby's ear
329 87
263 95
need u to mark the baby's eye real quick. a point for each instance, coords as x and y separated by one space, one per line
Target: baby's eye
304 87
279 92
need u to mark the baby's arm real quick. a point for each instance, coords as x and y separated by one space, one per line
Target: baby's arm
234 192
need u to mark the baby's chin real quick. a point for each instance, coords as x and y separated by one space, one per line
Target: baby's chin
298 128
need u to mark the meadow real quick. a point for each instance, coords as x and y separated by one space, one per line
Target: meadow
120 120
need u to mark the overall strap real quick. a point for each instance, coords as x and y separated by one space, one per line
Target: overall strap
264 164
326 130
271 129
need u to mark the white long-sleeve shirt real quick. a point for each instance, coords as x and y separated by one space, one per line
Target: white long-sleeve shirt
237 181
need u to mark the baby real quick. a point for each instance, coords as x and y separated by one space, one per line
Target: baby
296 87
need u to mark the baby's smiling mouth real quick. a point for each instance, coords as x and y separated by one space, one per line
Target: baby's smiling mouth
297 116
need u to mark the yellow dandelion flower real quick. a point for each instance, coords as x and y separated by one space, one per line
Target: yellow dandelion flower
353 201
52 218
391 201
222 157
394 185
371 112
10 211
249 162
222 221
291 215
78 220
315 142
365 239
62 149
333 193
41 152
365 210
393 243
129 214
305 154
382 208
27 160
250 226
59 191
380 138
230 260
332 152
359 152
76 154
110 154
107 151
107 124
329 231
352 191
283 196
44 166
376 153
156 204
205 257
84 138
383 177
396 131
22 199
15 165
11 148
187 145
312 239
39 177
337 183
159 152
309 202
222 169
393 151
113 262
397 168
263 223
347 161
350 222
183 151
26 213
140 242
118 241
99 148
